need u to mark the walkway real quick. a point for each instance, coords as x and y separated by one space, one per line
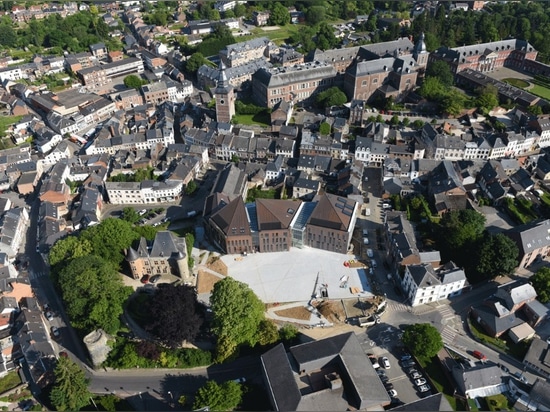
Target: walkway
315 320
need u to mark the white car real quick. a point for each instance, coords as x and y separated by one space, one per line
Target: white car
424 388
386 363
392 393
55 332
420 381
240 380
49 315
370 253
365 240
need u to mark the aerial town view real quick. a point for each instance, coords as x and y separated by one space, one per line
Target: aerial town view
293 205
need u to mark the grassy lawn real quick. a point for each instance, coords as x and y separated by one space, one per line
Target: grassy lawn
472 404
498 403
540 91
10 381
439 379
277 36
522 84
261 119
6 121
257 193
108 403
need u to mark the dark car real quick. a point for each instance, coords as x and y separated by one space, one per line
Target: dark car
384 378
145 279
154 279
388 386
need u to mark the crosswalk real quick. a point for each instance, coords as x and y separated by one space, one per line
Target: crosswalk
398 307
36 275
448 335
446 312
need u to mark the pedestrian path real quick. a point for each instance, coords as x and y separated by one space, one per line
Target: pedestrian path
36 275
397 307
446 312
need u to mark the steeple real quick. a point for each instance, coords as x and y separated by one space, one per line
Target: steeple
420 53
225 97
132 255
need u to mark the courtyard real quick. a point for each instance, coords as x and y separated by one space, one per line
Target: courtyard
297 275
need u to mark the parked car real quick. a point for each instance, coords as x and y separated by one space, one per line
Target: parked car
380 372
406 357
420 381
416 375
375 363
384 379
154 279
370 253
408 363
365 233
477 354
411 371
145 279
55 332
373 263
240 380
392 393
142 212
49 315
386 363
63 354
520 376
388 386
365 240
424 388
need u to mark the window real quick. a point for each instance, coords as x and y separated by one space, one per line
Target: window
374 81
364 83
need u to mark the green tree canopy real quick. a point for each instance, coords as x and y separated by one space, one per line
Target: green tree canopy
440 70
194 62
541 283
70 388
224 397
133 81
331 97
423 340
458 229
67 249
324 128
8 37
93 293
191 187
279 15
110 238
487 98
237 312
496 255
129 214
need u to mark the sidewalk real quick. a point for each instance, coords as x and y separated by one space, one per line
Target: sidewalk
315 320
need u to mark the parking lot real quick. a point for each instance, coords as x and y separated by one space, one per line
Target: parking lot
384 341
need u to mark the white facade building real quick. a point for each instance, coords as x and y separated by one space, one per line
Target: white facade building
146 192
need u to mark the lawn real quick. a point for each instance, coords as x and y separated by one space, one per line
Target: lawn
516 350
522 84
277 36
10 381
6 121
498 403
540 91
435 372
261 119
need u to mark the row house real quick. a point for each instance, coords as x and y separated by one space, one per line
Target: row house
19 154
533 241
146 192
151 60
54 187
127 99
78 61
13 225
136 141
13 73
541 125
305 188
315 144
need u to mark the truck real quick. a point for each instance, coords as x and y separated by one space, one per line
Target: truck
365 321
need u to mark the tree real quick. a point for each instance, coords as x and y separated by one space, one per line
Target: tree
496 255
132 81
406 121
70 389
394 121
93 293
331 97
267 332
129 214
441 71
325 37
423 340
487 98
64 250
433 89
324 128
315 15
418 124
224 397
110 238
237 312
279 15
194 62
191 187
288 333
541 283
174 314
8 37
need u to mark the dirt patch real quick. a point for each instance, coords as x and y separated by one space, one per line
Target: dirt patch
298 312
206 281
332 310
216 264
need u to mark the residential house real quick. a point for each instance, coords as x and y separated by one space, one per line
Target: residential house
145 192
480 381
424 284
537 358
13 225
305 188
532 240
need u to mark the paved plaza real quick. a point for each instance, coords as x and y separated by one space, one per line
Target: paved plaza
297 275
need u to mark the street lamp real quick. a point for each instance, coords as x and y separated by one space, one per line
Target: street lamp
172 398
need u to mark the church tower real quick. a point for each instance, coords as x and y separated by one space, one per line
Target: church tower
420 52
225 98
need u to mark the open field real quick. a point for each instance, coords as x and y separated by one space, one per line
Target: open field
540 91
261 119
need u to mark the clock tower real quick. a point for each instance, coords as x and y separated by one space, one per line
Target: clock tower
225 98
